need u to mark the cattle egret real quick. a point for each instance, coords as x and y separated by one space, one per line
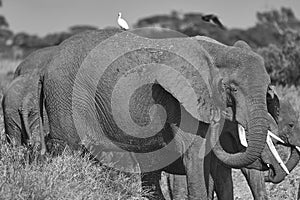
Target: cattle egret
214 19
122 23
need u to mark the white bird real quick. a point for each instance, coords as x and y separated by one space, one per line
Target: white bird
122 23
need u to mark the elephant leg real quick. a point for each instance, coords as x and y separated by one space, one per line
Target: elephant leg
298 196
197 169
211 189
150 179
211 182
150 183
178 187
13 132
222 179
256 182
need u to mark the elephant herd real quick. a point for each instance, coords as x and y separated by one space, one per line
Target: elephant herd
178 104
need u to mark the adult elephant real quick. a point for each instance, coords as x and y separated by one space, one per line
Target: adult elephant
288 127
20 100
113 91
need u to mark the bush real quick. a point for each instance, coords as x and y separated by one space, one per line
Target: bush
283 62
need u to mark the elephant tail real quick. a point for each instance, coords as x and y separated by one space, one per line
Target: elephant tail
41 115
24 112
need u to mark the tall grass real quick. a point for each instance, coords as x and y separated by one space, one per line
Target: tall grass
69 176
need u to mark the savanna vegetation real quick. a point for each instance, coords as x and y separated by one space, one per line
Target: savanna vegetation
276 37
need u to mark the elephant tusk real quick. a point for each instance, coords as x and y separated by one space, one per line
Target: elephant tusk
298 148
242 135
276 155
275 137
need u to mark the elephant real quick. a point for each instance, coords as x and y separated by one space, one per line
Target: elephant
288 129
20 100
156 114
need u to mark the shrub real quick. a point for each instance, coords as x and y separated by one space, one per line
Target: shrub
283 62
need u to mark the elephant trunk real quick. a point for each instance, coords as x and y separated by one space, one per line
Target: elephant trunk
257 132
280 174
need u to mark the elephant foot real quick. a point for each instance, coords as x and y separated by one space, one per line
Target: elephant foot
177 187
55 146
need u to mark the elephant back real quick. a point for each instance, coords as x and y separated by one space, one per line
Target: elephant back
36 61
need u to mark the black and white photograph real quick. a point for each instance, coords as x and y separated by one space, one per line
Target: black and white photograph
149 100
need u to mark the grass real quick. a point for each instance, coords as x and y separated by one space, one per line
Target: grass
71 176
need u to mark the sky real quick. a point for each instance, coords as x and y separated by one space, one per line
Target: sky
48 16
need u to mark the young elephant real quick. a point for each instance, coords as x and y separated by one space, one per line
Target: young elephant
288 131
20 99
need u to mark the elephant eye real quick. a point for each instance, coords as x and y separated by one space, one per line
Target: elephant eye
291 125
233 89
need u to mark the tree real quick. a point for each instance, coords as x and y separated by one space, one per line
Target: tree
3 22
279 16
283 61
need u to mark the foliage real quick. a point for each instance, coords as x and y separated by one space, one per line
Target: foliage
283 61
282 16
5 33
260 35
3 22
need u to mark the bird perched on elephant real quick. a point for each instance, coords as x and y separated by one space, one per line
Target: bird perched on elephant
288 131
110 90
20 100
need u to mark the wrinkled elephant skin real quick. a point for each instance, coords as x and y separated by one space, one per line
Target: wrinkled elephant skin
20 100
81 80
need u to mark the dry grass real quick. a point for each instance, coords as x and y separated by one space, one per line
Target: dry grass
69 176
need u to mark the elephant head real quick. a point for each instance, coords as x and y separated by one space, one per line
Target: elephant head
241 84
288 131
286 118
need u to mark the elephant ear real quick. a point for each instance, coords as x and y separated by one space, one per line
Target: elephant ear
141 80
273 103
243 45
